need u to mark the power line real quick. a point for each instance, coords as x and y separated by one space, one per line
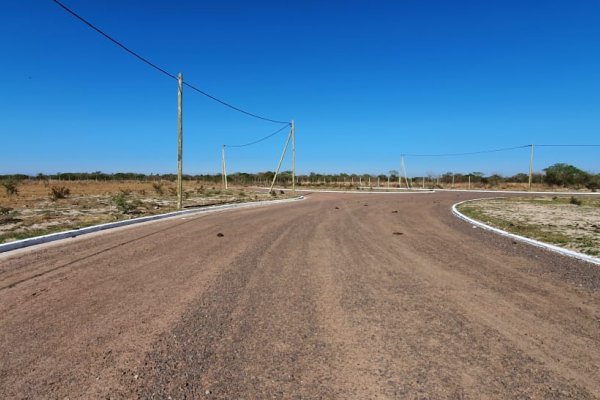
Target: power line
567 145
259 140
466 154
161 70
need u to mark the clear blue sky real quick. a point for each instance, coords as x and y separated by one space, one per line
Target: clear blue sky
364 81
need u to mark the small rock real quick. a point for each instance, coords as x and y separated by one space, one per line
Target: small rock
207 392
398 233
136 376
395 212
220 234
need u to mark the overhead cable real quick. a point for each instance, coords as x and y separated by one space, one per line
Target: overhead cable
161 70
466 154
259 140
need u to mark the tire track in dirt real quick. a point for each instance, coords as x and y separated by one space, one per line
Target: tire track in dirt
316 299
513 323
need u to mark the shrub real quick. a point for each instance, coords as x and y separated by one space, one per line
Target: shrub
10 185
158 188
574 200
59 192
125 205
594 184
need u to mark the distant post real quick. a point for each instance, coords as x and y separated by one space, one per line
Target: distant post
293 159
530 165
224 167
179 142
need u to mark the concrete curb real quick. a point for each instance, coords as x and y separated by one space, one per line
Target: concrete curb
551 247
420 191
19 244
519 192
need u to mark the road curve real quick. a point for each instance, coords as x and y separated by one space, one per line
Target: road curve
343 296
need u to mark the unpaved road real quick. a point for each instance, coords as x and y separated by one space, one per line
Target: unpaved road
314 299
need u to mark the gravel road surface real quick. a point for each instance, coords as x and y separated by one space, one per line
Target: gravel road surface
339 296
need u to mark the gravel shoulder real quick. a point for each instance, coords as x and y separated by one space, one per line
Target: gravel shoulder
338 296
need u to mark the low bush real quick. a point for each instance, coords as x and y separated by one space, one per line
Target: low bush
59 192
11 187
124 204
575 201
158 188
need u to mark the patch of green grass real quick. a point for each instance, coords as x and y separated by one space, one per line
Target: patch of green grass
29 233
590 201
528 230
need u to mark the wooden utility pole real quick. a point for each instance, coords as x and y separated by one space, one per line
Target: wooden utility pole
293 158
469 181
530 165
280 161
179 142
224 167
403 168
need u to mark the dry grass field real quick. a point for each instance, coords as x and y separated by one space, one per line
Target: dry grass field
42 207
566 221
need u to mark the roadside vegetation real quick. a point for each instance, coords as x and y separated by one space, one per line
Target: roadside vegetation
572 222
555 177
33 206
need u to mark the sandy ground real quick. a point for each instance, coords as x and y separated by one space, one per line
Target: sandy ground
338 296
551 219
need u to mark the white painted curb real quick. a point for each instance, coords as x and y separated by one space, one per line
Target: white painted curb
19 244
519 192
551 247
420 191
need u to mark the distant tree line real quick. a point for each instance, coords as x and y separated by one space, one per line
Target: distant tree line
558 174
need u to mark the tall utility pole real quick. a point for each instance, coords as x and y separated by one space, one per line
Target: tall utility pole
530 165
179 142
400 173
403 168
224 167
293 159
280 161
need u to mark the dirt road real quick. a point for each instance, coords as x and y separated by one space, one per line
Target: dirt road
338 296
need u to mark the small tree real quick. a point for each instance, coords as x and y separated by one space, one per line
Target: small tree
565 175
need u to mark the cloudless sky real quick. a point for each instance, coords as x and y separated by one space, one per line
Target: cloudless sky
364 81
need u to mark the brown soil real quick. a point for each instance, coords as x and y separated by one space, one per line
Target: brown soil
300 301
